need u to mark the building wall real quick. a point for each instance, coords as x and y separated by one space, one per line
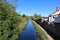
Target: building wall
57 29
51 19
57 19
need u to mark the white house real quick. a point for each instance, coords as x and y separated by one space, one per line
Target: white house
55 17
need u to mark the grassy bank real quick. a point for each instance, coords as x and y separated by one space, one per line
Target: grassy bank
22 25
40 31
11 32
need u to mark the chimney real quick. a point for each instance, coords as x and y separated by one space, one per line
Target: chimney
57 8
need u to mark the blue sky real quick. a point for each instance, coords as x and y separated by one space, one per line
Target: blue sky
43 7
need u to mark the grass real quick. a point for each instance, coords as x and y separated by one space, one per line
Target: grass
40 31
8 34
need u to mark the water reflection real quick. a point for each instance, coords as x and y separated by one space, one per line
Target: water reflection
29 33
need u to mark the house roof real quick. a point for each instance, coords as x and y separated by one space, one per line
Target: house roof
56 13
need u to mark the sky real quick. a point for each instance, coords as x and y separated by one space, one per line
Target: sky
43 7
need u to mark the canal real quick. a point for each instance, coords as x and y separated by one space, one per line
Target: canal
29 33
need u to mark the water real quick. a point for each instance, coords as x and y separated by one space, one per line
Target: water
29 33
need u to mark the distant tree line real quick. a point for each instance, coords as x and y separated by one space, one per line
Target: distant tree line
36 16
